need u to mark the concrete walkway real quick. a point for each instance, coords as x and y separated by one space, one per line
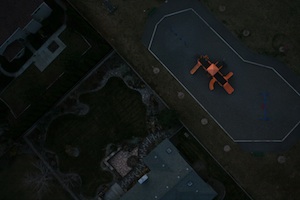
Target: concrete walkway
43 56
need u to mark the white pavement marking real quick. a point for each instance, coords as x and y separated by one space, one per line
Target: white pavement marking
174 13
24 110
244 60
291 131
86 41
11 111
55 80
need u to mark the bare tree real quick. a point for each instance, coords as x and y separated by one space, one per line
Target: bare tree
71 180
39 180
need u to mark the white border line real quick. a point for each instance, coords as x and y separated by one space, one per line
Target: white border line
244 60
11 111
55 81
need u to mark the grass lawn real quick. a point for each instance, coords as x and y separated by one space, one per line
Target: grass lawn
194 152
12 177
116 113
279 26
32 84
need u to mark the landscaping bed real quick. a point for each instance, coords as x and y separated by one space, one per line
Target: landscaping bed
112 108
116 114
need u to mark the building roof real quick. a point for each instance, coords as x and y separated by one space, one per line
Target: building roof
15 14
170 178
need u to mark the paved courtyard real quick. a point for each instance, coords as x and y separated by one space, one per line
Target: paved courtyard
265 106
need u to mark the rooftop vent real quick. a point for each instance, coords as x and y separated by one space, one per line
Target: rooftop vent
169 150
190 183
143 179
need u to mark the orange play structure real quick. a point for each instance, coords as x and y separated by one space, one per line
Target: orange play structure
213 69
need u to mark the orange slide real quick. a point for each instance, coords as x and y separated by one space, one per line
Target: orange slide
213 70
196 67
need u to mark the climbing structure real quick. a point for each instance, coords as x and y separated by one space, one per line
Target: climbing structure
213 69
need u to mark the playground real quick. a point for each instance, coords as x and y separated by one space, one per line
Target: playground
277 181
265 106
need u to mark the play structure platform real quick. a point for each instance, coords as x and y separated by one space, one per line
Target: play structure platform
262 112
213 70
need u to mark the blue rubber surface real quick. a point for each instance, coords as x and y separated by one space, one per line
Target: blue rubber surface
265 106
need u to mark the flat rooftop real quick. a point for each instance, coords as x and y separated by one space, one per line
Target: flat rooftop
170 177
265 106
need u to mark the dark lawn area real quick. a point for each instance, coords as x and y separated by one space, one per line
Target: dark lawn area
16 64
194 152
4 81
42 90
116 113
30 87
